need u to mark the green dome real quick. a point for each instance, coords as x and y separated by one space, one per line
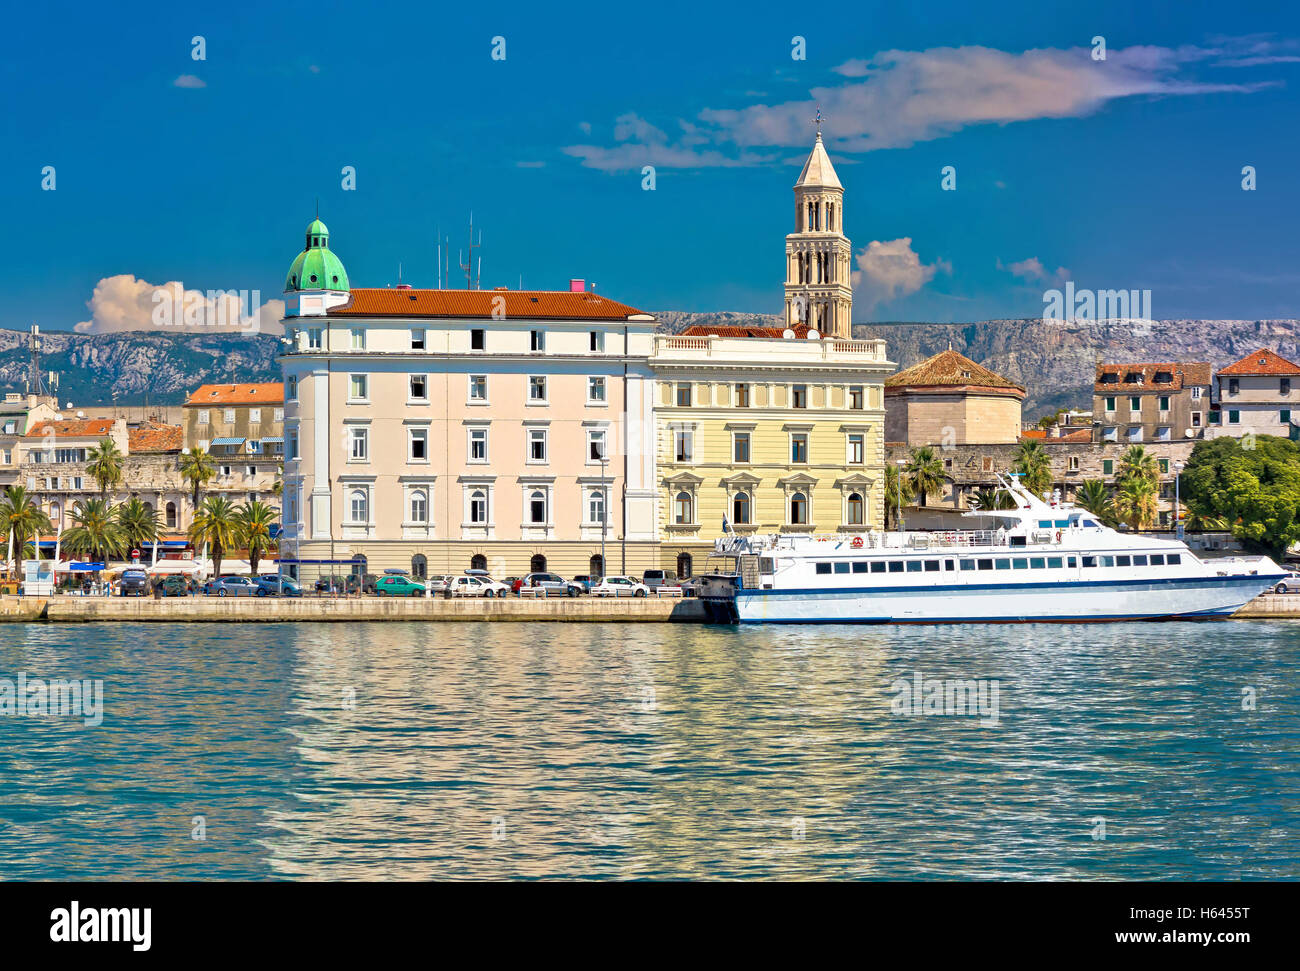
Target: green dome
316 268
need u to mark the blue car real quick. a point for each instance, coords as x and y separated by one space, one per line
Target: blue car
230 586
277 587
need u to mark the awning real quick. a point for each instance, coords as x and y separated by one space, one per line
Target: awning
226 441
273 439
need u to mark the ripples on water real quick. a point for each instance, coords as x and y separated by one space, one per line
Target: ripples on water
652 751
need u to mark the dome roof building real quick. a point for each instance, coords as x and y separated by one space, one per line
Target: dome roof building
949 399
316 267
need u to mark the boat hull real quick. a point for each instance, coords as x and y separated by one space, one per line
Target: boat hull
1199 598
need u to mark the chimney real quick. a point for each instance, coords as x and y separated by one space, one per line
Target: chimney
577 286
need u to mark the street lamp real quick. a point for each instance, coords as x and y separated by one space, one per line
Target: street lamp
1178 519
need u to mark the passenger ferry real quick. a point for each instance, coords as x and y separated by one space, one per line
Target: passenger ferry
1044 561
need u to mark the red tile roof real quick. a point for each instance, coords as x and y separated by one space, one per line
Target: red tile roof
1040 434
73 428
1186 374
730 330
1262 361
952 372
155 437
548 304
271 393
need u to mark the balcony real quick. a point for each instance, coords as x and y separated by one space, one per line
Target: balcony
761 350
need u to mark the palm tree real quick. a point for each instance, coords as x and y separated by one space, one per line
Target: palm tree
898 492
139 523
1137 462
105 466
255 522
216 523
924 473
1135 501
197 467
1034 466
993 499
1197 522
95 530
22 518
1093 496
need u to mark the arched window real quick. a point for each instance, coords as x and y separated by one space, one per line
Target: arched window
478 507
478 562
596 506
172 522
419 506
537 564
537 507
740 509
856 512
359 565
55 516
419 566
684 565
596 567
683 509
799 509
360 506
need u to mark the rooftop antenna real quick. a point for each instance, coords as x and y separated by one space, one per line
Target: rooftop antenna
399 273
818 121
35 384
438 233
468 265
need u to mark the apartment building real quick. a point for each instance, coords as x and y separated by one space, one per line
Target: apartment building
242 427
1256 395
1145 403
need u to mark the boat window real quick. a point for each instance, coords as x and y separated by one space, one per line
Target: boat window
986 564
1108 561
1004 564
1123 561
1044 524
895 566
1139 561
950 564
1089 522
823 568
765 565
842 566
1089 561
932 566
1016 541
859 566
913 566
1020 563
1037 563
1071 562
968 564
1053 562
1157 559
1062 523
877 566
1173 559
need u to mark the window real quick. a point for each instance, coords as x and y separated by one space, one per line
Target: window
596 341
1107 466
478 387
418 444
684 565
1164 402
683 509
358 386
419 511
417 338
1234 386
683 395
478 444
478 507
1196 419
293 443
277 414
1072 463
419 566
419 387
1110 404
1196 394
478 339
682 445
596 507
358 339
740 447
1164 466
1284 385
857 451
798 509
250 470
228 416
1135 403
799 448
172 521
596 445
741 509
537 445
857 401
1285 416
204 415
359 506
537 507
315 338
359 439
855 510
1234 417
595 390
537 340
799 396
537 388
291 387
742 396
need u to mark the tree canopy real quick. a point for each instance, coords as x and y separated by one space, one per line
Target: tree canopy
1254 489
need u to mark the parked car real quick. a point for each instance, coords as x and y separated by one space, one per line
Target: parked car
334 584
437 582
1288 583
396 585
655 579
277 587
174 585
230 586
369 583
586 582
133 583
620 587
476 586
552 583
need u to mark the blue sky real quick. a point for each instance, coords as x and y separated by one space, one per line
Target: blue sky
1123 173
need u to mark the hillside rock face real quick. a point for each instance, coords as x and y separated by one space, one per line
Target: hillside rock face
1054 360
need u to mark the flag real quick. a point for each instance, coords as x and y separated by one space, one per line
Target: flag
726 527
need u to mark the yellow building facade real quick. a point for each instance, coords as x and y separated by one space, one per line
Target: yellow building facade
765 434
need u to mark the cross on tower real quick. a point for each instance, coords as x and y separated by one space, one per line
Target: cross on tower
818 121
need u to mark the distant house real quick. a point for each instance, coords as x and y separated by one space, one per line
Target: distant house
1256 395
1160 402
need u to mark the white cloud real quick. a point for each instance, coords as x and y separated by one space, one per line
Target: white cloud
889 269
189 81
1033 270
898 98
124 303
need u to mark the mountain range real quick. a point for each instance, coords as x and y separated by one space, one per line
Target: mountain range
1054 360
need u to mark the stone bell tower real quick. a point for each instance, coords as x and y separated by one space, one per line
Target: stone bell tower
818 256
